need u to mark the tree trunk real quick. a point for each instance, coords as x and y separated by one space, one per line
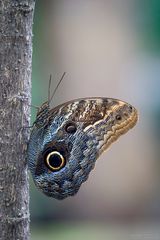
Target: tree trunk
16 18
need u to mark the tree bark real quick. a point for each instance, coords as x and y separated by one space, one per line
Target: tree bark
16 18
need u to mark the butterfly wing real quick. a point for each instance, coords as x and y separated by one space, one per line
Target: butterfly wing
64 150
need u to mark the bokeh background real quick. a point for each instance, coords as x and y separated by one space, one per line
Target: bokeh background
108 48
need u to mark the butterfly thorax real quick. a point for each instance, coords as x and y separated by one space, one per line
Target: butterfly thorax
42 115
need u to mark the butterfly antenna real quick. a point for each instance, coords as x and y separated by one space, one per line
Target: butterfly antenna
49 88
50 98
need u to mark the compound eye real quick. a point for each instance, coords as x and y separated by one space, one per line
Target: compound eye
55 161
70 127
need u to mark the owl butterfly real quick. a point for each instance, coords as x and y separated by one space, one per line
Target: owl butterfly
66 141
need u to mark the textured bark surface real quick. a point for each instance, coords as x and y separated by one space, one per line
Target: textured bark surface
16 19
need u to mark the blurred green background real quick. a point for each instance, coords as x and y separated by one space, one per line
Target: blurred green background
111 49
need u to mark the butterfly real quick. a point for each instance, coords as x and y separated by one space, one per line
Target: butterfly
66 141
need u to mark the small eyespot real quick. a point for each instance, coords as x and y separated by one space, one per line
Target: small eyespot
70 127
126 114
131 108
55 161
118 117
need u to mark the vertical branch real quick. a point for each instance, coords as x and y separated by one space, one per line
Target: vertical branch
16 18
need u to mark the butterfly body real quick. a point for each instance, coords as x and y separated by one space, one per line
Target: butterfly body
66 141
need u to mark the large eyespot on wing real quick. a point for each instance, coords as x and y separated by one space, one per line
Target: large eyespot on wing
54 161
